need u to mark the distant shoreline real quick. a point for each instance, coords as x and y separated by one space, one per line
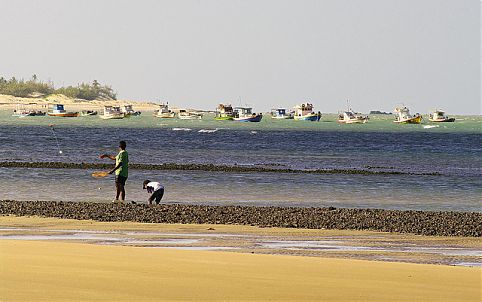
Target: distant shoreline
9 102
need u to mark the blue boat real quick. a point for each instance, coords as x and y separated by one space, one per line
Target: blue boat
281 114
245 114
304 112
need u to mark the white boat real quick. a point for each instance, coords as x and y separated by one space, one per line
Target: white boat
59 111
304 112
112 112
22 110
246 114
164 112
88 112
281 114
128 111
189 115
351 117
439 116
224 113
403 116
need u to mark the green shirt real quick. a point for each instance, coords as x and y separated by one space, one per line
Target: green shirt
123 158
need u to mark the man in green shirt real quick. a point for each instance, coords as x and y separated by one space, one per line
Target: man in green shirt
121 170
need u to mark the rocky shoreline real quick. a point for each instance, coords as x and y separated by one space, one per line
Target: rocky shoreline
203 167
468 224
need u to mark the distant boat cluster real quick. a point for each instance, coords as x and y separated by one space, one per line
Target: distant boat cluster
226 112
58 110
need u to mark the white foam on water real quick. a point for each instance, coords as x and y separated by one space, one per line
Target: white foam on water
181 129
208 130
430 126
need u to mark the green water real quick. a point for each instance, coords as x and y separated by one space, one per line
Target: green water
377 123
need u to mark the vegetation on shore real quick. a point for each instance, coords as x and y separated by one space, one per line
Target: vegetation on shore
35 88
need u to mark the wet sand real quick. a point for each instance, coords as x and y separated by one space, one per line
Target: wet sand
59 270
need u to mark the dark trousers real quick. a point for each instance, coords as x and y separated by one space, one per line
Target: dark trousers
157 196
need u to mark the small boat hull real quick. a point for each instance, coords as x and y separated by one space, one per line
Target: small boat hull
66 114
445 120
311 118
284 117
112 116
136 113
88 112
412 120
255 119
190 117
354 121
36 113
165 115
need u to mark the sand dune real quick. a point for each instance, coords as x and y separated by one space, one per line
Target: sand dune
9 102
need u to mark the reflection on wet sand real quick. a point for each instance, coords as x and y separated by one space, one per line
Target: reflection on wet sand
380 247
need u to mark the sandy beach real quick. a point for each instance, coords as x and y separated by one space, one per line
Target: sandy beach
8 102
241 151
59 270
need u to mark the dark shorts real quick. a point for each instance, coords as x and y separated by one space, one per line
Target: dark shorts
157 196
121 180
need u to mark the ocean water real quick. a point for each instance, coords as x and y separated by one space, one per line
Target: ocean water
452 149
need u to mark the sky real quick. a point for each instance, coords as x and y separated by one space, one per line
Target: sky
264 53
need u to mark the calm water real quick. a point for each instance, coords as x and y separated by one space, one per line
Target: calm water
452 149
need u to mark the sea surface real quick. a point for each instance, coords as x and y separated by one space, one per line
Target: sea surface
451 150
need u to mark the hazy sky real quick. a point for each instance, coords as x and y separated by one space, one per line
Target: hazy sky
266 53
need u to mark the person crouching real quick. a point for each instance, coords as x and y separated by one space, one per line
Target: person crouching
155 189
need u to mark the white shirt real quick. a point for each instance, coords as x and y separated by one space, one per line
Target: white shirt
154 186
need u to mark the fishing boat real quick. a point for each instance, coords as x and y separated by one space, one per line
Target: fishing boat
246 114
129 111
164 112
88 112
59 111
403 116
281 114
439 116
112 112
224 113
189 115
351 117
23 111
304 112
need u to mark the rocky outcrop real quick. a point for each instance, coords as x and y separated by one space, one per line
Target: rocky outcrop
415 222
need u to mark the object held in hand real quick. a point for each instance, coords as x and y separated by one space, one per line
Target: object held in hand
100 174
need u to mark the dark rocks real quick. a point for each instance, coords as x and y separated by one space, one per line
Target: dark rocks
416 222
199 167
